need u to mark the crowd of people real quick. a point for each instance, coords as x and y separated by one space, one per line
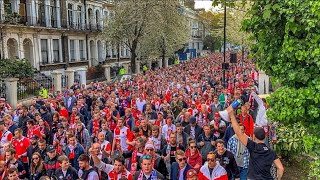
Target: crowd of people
163 124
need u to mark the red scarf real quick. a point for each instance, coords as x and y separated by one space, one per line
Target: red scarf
114 176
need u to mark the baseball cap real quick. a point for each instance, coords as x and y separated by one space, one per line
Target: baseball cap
192 173
51 148
35 137
217 115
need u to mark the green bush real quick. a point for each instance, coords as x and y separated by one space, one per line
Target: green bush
17 68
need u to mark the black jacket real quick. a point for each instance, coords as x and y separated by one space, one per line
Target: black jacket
71 174
198 130
23 124
30 151
51 165
227 161
47 117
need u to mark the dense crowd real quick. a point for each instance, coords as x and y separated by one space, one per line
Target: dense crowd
164 124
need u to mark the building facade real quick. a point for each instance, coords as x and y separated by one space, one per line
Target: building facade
194 45
56 34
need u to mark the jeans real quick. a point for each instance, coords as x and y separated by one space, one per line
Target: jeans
243 173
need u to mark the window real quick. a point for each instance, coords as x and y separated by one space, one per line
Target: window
53 14
44 51
72 51
79 17
56 52
81 50
41 18
70 15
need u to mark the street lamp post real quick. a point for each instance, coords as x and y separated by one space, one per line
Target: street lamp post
224 43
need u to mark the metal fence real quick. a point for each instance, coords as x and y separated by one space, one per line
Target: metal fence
30 87
2 89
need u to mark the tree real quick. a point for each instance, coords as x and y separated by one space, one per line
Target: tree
287 47
169 30
146 27
129 25
212 22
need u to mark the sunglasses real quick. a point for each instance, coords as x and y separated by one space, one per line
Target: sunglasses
182 159
192 147
146 157
192 173
211 160
149 150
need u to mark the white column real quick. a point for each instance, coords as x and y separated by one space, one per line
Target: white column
56 75
36 51
70 75
137 67
2 10
160 63
47 13
5 47
11 90
107 72
20 46
77 48
83 76
50 50
166 62
58 18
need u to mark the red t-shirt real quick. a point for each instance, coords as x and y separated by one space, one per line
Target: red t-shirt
21 148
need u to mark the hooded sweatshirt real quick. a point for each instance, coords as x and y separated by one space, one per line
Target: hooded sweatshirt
195 159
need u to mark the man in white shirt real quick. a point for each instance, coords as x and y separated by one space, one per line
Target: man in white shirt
168 128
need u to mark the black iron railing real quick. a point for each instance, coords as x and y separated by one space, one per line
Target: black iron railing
30 87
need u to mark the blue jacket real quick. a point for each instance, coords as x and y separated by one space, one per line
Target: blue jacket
78 150
73 100
175 171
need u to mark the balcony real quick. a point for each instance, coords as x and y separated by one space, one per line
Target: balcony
14 19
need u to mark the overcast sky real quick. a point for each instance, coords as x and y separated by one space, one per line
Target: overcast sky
202 4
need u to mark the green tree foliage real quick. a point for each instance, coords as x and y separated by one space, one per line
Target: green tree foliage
146 27
287 47
15 68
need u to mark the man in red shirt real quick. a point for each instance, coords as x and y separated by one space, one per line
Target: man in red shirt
247 120
32 129
21 143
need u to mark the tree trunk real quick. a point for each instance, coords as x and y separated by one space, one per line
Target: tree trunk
133 56
133 62
163 56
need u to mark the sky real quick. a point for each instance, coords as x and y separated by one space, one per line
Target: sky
202 4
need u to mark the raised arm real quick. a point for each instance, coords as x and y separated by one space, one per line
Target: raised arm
242 137
279 167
